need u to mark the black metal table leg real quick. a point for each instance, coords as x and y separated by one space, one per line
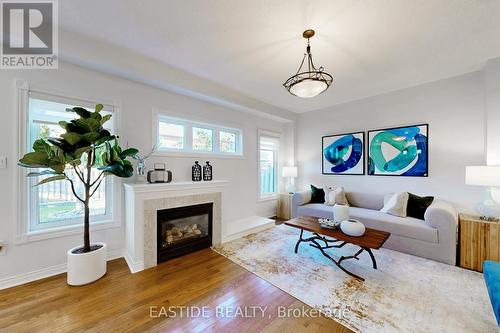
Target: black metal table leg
336 262
314 243
374 262
300 240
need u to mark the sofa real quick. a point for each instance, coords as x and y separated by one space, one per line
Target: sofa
433 238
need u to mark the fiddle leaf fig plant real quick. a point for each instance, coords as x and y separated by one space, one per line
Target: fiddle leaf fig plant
85 145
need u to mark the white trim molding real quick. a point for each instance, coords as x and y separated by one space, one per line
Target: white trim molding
42 273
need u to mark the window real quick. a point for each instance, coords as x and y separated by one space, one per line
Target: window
268 165
227 142
186 136
53 204
170 136
202 139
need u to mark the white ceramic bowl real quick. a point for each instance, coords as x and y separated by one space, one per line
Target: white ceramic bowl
352 227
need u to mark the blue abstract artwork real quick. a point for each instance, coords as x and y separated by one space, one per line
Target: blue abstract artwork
401 151
344 154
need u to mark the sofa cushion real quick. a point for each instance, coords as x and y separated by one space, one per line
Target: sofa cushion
402 226
408 227
365 200
317 194
395 204
335 196
316 210
418 205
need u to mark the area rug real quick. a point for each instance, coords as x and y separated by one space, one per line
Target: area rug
405 294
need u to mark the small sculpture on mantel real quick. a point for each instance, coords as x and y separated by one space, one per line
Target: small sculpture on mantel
141 164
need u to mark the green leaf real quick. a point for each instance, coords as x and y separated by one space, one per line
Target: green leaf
41 146
89 124
71 137
105 119
41 173
58 168
91 137
80 111
51 179
35 159
99 107
104 139
129 152
63 124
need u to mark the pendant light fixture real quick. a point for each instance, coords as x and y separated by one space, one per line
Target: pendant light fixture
310 81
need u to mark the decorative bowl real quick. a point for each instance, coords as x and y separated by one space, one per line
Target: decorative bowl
352 227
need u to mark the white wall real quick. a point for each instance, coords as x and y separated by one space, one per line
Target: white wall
492 98
137 101
454 110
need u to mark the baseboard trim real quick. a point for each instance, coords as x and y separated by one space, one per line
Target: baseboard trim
133 266
43 273
264 224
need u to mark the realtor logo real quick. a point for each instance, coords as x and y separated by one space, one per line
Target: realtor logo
29 35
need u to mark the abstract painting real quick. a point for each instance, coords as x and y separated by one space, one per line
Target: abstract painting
400 151
344 154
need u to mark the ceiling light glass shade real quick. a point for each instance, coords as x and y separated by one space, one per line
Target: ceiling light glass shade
307 88
311 82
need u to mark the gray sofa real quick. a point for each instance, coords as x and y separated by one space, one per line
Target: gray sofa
433 238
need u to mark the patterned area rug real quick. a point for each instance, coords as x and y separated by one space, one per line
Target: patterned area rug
405 294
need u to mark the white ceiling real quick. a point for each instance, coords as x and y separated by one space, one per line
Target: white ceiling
370 47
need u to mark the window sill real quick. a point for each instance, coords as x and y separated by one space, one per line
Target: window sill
268 198
34 236
199 155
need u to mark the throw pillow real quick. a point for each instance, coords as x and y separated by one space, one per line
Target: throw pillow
396 204
317 195
418 205
336 196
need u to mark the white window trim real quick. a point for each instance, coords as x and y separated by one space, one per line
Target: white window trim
273 196
23 234
189 123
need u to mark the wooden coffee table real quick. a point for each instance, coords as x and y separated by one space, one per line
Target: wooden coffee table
372 239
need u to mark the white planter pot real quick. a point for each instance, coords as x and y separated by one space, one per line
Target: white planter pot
84 268
352 227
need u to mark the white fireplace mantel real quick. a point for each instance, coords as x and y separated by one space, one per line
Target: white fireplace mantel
142 200
174 186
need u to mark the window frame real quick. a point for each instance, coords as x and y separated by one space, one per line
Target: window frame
24 232
188 150
276 136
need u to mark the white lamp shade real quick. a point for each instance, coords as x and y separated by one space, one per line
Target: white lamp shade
289 172
482 175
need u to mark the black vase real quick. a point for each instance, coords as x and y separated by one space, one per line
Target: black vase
196 172
207 171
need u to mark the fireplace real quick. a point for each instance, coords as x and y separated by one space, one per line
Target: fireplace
183 230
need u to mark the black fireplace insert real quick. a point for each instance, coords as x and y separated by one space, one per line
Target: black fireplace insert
183 230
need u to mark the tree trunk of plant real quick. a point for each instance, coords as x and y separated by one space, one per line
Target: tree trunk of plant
86 218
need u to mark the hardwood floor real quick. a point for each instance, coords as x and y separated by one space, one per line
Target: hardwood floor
123 302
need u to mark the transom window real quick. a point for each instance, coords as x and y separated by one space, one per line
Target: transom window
185 136
53 204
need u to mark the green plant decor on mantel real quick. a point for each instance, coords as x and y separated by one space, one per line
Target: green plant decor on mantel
85 145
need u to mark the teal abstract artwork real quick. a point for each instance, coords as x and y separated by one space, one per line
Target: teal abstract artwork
400 151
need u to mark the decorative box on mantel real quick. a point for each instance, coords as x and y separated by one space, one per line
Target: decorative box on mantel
144 201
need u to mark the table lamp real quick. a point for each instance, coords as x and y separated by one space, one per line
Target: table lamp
488 176
289 172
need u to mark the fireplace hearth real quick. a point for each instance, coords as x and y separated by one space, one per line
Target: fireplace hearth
183 230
